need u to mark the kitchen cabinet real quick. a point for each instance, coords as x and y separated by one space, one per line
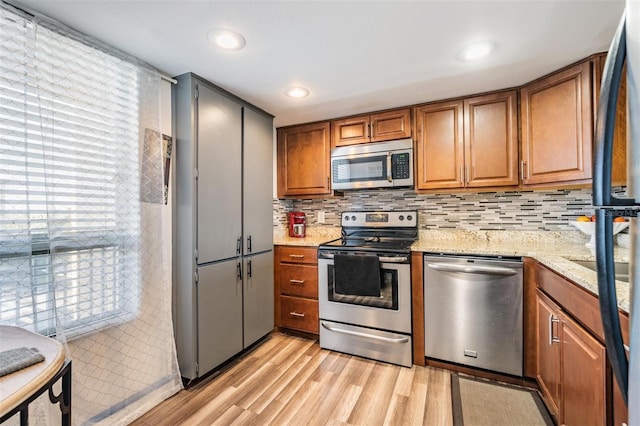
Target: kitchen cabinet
439 145
296 288
468 143
378 127
548 353
235 303
257 297
223 226
219 298
571 367
303 158
557 127
619 167
491 140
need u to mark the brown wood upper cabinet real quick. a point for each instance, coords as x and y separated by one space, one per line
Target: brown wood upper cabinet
468 143
557 127
304 160
619 168
382 126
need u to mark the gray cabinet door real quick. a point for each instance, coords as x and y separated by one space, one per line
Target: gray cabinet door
258 182
219 156
219 314
258 297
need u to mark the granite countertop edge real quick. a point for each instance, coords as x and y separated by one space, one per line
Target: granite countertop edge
557 251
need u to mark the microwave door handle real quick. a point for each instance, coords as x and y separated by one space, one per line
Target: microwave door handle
389 175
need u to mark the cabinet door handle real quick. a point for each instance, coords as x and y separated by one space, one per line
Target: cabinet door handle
297 256
239 270
296 314
238 245
249 269
300 282
523 165
249 243
552 338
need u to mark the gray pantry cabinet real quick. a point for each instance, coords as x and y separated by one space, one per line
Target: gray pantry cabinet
223 225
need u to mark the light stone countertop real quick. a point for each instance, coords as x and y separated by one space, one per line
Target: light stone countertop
314 236
555 250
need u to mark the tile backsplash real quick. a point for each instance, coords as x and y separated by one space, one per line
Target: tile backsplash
511 210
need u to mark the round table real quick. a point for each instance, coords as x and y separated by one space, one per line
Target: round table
20 388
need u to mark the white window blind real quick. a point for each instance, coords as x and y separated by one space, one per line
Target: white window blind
69 181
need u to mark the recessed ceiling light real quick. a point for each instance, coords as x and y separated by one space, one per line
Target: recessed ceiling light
297 92
476 51
227 39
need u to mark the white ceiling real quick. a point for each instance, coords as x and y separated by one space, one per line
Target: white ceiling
354 56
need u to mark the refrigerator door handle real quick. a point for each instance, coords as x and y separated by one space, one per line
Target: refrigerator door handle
605 122
609 302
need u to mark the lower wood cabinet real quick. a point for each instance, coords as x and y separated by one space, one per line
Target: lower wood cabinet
299 314
296 288
548 353
572 367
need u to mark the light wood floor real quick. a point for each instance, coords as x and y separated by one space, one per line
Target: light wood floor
291 381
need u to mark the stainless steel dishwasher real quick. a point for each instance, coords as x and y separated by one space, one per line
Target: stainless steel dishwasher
473 311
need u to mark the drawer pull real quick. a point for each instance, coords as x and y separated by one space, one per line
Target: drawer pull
297 256
552 339
296 314
300 282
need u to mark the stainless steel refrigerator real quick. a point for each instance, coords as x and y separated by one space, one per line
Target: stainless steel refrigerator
625 48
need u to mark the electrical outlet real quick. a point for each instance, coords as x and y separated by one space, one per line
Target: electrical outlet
321 217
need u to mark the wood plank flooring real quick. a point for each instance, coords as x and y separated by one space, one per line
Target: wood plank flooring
291 381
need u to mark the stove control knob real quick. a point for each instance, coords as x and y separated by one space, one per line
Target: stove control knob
346 218
353 218
409 217
402 217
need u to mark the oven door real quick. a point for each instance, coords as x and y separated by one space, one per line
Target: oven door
391 311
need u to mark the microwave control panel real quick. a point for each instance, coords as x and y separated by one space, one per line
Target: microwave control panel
400 166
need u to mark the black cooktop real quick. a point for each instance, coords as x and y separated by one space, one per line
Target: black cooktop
369 244
381 244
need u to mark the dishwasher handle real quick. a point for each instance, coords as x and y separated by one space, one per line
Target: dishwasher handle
472 269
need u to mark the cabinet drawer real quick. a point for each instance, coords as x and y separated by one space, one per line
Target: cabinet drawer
583 306
299 314
299 280
293 254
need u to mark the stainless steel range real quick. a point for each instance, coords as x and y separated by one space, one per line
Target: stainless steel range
364 281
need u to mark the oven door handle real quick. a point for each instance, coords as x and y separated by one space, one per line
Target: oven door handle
398 340
384 259
475 269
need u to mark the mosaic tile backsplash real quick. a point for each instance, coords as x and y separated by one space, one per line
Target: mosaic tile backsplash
509 211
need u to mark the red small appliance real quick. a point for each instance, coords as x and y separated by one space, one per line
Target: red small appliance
297 224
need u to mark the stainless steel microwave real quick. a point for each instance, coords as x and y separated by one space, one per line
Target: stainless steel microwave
373 165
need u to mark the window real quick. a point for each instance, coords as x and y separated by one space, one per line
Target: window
69 181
